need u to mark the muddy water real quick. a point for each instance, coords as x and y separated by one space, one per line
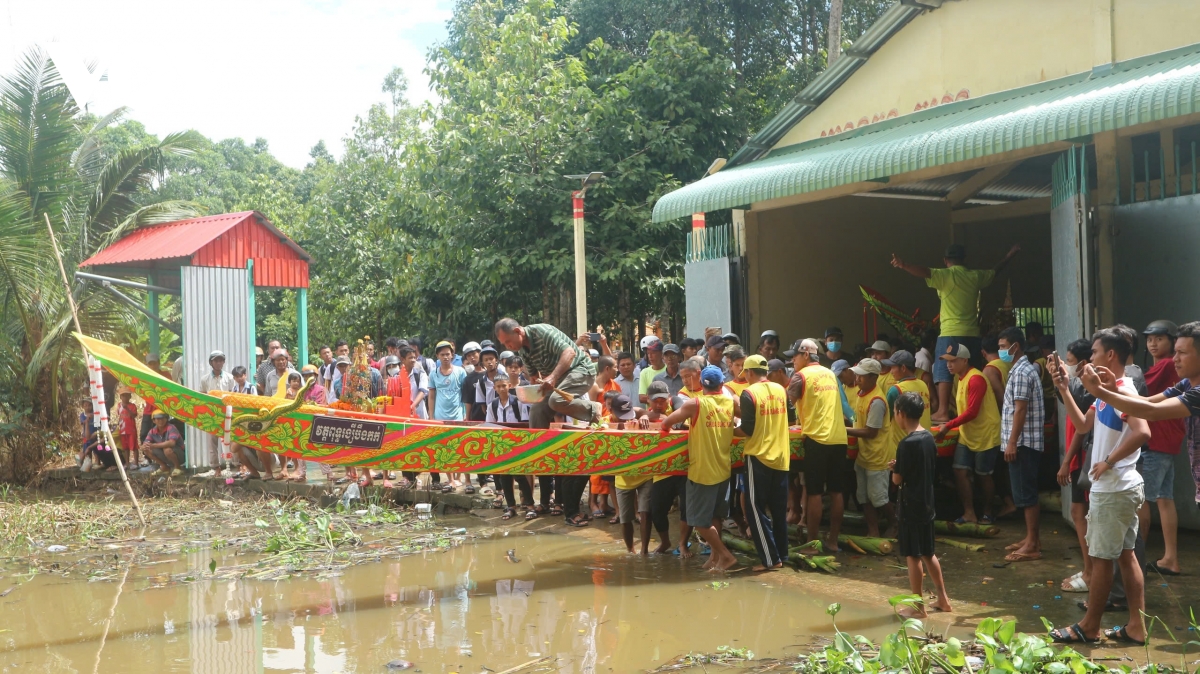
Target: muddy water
469 609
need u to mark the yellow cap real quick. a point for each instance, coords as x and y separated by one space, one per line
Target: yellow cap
755 362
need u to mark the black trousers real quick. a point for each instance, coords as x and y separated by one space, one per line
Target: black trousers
505 483
662 494
767 491
549 485
572 491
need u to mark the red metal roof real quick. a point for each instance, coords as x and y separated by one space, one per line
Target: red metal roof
226 240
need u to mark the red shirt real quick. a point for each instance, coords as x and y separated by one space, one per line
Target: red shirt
1166 436
976 393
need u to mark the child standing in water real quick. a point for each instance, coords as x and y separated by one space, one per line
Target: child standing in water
913 470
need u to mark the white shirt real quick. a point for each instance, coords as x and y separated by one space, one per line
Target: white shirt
217 382
925 360
501 413
1108 432
420 383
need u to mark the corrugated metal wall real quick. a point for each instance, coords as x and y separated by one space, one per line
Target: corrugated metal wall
276 264
706 293
215 316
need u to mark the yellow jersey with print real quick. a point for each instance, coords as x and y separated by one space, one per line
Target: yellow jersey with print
1003 367
885 382
736 387
911 386
873 453
770 443
710 440
820 410
983 432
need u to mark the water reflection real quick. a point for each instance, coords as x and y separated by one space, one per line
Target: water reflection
590 607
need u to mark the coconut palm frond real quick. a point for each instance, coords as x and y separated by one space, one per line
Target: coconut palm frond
153 214
37 131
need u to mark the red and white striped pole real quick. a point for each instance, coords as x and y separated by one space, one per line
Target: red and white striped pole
698 234
580 266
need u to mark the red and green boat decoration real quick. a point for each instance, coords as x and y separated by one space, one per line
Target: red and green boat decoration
353 438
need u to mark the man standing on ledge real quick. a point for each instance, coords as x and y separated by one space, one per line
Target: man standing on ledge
958 289
552 356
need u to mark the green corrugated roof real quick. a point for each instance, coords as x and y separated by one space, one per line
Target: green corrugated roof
1138 91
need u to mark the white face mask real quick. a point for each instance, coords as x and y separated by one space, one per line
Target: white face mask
393 370
1072 371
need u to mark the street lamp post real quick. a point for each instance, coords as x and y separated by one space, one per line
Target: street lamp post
588 180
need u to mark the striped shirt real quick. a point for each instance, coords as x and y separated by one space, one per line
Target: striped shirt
546 344
1024 383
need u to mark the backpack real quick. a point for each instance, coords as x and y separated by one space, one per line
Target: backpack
516 409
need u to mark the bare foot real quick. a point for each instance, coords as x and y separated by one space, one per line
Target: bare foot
941 606
910 612
724 562
684 552
832 546
708 565
1006 511
663 548
759 568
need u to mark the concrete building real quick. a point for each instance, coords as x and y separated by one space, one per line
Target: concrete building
1068 127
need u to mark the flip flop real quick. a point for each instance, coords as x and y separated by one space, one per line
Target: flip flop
963 521
1071 635
1022 557
579 523
615 520
1012 546
987 519
1153 566
1120 635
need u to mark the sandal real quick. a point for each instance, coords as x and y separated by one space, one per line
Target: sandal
576 521
1121 635
469 490
531 515
616 519
1071 635
446 489
498 502
1075 583
597 513
556 509
509 513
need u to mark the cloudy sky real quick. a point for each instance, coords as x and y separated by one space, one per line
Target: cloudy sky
293 72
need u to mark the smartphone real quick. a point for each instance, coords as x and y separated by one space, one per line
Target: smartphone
595 337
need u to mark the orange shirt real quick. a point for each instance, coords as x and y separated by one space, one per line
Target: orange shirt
610 385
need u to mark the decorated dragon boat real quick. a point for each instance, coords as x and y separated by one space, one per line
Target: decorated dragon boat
352 437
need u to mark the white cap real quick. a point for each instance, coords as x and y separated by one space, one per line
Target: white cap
469 347
647 341
810 345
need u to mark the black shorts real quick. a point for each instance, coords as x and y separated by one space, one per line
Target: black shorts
915 539
824 468
1078 495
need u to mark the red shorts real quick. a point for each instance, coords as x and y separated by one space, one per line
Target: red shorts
599 485
128 441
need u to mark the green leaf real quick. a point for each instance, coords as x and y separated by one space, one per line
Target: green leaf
212 566
904 599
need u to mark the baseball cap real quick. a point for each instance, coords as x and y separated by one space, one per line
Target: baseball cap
731 337
755 362
775 365
866 366
880 345
714 342
470 347
711 377
622 408
955 251
647 341
672 348
658 389
341 360
656 345
834 330
800 345
903 358
443 345
839 365
952 352
216 354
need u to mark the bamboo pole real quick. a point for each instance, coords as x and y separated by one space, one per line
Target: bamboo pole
79 329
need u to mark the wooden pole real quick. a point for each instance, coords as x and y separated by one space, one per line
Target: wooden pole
79 329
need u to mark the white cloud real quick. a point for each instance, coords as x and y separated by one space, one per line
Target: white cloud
291 72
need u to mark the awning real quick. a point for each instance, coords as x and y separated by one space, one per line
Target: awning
1138 91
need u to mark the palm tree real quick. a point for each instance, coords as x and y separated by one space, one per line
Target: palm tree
53 164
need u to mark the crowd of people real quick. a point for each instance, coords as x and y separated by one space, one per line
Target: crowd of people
871 423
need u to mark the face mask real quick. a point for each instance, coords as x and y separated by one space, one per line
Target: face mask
1072 371
393 371
1006 356
833 346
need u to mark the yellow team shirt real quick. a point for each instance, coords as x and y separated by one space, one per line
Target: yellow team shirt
958 289
873 453
910 386
983 432
820 410
1003 367
737 387
770 442
885 382
710 439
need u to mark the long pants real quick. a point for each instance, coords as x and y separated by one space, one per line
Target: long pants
548 485
662 494
506 484
147 424
575 383
767 490
572 492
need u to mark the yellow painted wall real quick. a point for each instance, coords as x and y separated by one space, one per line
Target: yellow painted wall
986 46
807 261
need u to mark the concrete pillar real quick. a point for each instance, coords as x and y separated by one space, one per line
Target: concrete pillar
253 336
152 307
302 327
1106 198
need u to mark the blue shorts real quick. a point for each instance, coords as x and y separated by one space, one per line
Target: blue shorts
1023 474
941 373
1158 472
980 463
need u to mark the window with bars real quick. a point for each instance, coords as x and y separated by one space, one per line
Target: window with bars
1042 315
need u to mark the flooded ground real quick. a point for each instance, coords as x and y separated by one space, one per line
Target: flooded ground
589 606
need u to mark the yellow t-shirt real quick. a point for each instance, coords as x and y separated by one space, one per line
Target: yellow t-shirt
958 289
885 382
631 482
737 387
710 439
770 443
1003 367
983 432
910 386
873 453
820 410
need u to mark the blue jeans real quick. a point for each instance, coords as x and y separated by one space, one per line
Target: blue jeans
1158 472
941 373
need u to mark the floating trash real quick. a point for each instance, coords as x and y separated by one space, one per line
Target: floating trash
424 511
56 548
399 664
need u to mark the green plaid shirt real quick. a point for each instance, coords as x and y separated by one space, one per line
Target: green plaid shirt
546 344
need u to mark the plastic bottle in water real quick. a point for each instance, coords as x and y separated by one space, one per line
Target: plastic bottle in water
351 494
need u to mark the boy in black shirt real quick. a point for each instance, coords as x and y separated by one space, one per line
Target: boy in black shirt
913 470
